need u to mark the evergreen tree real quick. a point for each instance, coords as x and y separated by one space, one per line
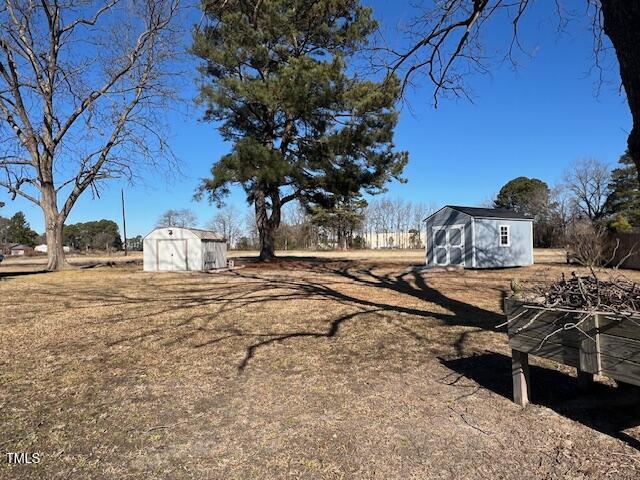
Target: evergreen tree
99 235
19 230
301 126
619 224
625 191
4 230
529 196
343 218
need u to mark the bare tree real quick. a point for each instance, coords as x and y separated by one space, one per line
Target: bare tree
251 227
227 221
83 86
587 243
421 211
183 218
449 42
488 201
587 182
395 223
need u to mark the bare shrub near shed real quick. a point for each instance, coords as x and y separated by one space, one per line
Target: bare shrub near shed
586 244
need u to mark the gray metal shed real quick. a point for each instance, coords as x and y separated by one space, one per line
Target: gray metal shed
175 249
474 237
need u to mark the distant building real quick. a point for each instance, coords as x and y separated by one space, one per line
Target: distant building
393 239
44 249
19 250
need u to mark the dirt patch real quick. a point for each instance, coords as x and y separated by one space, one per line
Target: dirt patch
330 367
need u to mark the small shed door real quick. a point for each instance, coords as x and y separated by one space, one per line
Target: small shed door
440 249
172 255
456 245
448 245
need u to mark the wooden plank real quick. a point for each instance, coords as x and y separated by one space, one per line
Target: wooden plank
538 323
620 348
540 330
510 304
590 346
618 369
620 328
629 328
520 376
524 314
551 349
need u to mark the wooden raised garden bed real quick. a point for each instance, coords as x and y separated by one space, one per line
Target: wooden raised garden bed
594 343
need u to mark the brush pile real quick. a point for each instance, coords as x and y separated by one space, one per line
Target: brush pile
617 294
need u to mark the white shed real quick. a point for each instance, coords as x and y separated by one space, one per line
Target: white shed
43 248
175 249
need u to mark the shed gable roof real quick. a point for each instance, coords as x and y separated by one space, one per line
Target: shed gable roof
479 212
201 234
206 234
20 246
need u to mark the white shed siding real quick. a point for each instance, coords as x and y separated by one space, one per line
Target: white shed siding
214 254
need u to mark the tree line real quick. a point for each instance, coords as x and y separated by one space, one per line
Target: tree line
92 235
288 84
590 196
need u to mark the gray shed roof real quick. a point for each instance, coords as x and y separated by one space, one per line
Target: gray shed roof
20 247
487 213
206 234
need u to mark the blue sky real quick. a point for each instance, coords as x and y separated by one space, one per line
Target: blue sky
533 121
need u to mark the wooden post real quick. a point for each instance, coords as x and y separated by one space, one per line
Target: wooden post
124 224
585 380
590 347
520 375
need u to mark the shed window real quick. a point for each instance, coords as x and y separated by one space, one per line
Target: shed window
505 237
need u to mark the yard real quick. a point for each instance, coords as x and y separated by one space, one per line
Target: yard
333 366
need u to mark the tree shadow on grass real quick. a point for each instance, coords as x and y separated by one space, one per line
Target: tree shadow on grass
410 282
8 275
603 408
250 288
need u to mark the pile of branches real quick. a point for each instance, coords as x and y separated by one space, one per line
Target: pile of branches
588 293
579 297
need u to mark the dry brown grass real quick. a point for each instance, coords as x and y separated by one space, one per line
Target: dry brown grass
334 367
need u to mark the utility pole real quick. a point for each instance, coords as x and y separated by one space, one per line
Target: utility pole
124 224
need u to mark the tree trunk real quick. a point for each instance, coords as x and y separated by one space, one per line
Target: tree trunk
54 224
621 21
267 225
267 243
343 238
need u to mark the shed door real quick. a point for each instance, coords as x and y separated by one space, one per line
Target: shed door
440 250
448 245
172 255
456 245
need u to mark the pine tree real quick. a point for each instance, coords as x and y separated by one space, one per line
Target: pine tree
301 125
19 230
529 196
343 218
625 191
